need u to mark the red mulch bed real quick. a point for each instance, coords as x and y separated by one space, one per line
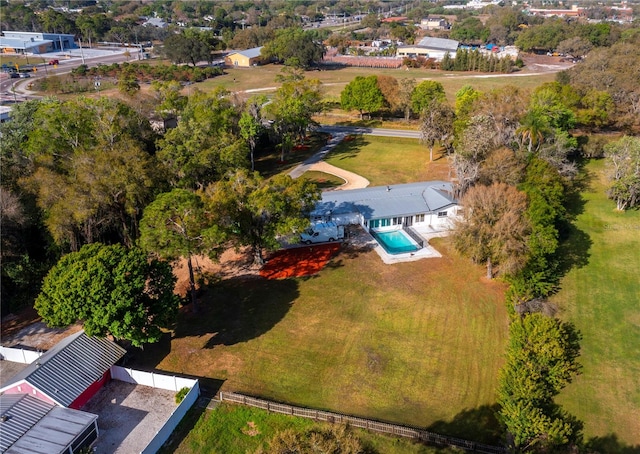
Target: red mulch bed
300 261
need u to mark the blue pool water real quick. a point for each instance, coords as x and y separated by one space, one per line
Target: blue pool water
395 242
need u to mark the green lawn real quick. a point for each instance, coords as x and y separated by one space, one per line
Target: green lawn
323 180
389 160
602 298
233 429
414 343
334 81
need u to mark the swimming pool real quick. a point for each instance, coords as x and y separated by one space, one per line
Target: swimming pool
395 242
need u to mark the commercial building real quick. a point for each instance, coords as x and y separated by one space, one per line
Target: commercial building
35 43
429 47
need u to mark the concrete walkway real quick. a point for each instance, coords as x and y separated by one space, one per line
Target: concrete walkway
317 163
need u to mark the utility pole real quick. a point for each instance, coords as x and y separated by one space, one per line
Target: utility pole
81 51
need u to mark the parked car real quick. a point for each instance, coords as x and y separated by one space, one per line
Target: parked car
14 75
24 75
54 62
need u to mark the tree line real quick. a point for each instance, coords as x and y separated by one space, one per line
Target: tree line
514 157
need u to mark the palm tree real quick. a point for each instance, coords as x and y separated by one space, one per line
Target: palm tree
533 128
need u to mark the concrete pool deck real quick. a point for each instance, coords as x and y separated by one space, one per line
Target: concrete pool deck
361 238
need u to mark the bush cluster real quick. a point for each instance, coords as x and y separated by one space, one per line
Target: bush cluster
145 72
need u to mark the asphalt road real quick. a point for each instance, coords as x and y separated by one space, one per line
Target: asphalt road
12 89
331 129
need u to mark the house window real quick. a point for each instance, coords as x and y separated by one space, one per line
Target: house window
442 214
385 222
419 217
397 221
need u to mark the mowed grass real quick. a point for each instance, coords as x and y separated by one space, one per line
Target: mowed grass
236 429
323 180
415 343
334 80
602 298
389 160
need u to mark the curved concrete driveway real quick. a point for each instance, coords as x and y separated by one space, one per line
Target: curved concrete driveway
317 163
352 180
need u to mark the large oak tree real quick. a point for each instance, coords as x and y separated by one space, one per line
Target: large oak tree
111 290
256 212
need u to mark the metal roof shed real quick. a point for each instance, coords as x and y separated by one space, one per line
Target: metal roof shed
70 373
29 425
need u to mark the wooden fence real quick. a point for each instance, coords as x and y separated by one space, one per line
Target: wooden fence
375 426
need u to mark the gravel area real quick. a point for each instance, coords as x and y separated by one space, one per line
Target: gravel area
129 416
8 369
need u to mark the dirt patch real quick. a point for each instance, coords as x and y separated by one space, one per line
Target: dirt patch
544 63
251 429
26 329
299 261
232 263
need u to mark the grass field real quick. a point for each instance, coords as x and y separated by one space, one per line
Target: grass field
240 430
602 298
334 81
389 160
323 180
416 343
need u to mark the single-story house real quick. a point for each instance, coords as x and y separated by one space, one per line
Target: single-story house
36 43
244 58
70 373
383 208
429 47
30 425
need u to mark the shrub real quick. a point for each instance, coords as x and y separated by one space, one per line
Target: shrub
180 395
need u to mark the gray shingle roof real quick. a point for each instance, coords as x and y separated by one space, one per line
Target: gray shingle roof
65 371
33 426
389 201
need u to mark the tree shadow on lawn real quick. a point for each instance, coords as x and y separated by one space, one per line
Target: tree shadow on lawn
609 444
238 310
573 250
478 424
349 147
267 159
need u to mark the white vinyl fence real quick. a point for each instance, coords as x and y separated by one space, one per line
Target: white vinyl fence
19 355
161 381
